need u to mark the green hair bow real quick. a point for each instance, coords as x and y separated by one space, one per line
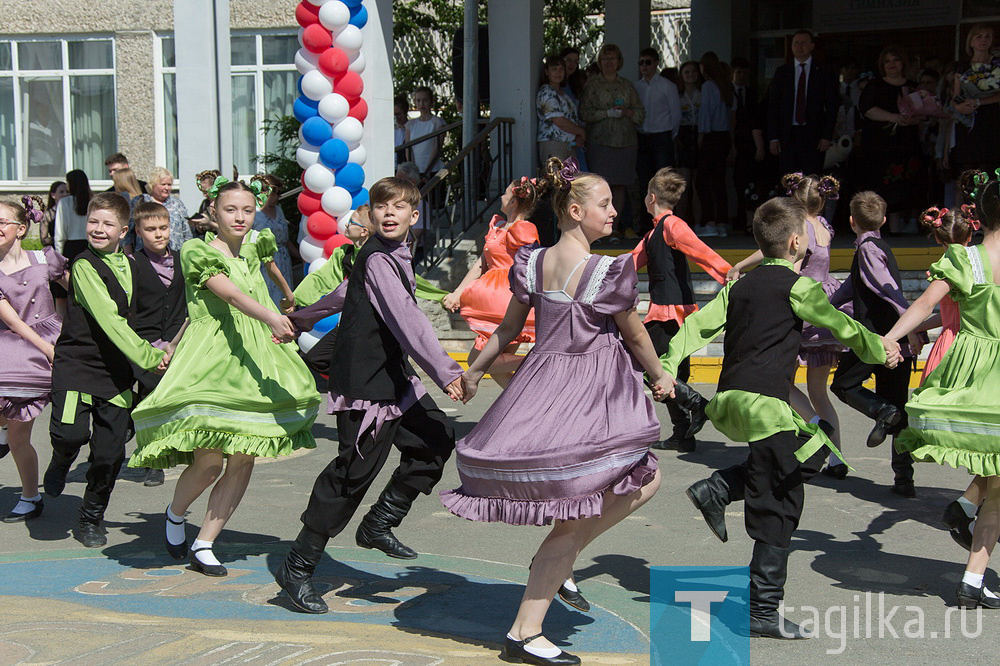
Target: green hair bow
257 188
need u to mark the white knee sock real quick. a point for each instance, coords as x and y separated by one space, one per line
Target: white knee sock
544 653
973 579
968 507
24 505
204 556
175 533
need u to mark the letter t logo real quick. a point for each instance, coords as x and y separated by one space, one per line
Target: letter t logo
701 607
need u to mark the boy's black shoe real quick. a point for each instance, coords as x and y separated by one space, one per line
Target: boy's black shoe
958 525
294 576
768 572
154 477
677 443
886 418
838 472
694 404
90 534
904 489
710 496
375 530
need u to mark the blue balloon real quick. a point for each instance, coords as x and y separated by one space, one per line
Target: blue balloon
351 177
316 131
298 85
352 3
360 199
359 16
334 153
302 111
324 326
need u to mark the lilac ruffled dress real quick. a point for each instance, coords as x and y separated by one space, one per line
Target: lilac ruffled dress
819 348
574 423
25 374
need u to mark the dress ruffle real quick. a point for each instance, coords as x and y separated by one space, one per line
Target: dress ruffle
543 512
982 463
177 448
25 409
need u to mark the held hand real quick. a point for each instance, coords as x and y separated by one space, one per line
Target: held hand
470 384
451 302
663 387
50 352
966 108
282 328
162 367
823 145
733 274
287 304
775 147
455 390
892 354
916 342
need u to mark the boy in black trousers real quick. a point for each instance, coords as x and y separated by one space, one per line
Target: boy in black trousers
92 373
876 291
378 400
762 314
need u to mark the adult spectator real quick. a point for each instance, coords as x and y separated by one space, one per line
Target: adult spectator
978 126
890 159
715 140
559 128
116 162
663 121
611 108
161 184
748 139
400 114
70 233
126 184
425 154
575 77
686 145
803 109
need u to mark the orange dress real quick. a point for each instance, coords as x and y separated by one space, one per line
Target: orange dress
484 302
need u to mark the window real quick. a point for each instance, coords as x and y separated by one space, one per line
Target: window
263 86
57 107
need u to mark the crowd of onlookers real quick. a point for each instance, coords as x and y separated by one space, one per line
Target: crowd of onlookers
905 128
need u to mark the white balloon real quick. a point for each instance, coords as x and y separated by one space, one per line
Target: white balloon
336 202
343 221
318 3
307 156
310 249
350 38
306 61
315 85
318 178
318 264
358 156
334 15
349 130
302 31
357 62
333 108
307 340
302 138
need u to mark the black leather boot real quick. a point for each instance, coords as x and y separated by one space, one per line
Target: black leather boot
89 531
294 576
54 480
375 530
711 496
693 403
679 440
886 415
768 570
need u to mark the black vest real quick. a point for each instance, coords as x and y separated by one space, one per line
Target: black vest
367 361
869 308
762 334
667 267
86 360
160 309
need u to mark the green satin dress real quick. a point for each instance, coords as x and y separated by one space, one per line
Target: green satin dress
228 386
954 417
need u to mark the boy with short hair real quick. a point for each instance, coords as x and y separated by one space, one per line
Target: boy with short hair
762 314
875 289
92 372
160 308
378 400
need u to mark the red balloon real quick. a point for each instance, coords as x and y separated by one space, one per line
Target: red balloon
333 242
316 38
350 86
333 62
359 109
321 226
307 14
309 202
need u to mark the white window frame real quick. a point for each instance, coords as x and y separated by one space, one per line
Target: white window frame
63 73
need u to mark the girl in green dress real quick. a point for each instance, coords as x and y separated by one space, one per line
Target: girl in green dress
230 394
954 416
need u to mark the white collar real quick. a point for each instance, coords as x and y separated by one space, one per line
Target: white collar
807 62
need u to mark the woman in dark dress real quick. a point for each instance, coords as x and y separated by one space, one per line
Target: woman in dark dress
891 163
976 146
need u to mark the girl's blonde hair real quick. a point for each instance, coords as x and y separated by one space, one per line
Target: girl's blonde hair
125 181
812 191
569 185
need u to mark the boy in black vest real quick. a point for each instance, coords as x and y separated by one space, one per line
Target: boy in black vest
160 308
378 400
92 373
762 314
876 291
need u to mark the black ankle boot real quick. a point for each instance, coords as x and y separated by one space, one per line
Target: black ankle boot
694 404
88 531
711 496
877 408
768 570
294 576
375 530
54 480
886 418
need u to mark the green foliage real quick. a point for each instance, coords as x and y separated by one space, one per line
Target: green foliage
31 244
282 162
566 24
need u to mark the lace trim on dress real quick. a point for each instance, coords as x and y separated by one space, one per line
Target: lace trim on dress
597 279
978 274
529 276
39 256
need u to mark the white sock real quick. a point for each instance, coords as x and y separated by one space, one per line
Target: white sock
973 579
570 585
204 556
175 533
988 593
3 435
544 653
968 507
24 505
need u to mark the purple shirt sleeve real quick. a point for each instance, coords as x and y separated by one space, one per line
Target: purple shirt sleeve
406 321
844 293
330 304
875 276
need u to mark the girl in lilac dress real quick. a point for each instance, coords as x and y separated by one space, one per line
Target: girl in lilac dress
29 327
567 442
819 350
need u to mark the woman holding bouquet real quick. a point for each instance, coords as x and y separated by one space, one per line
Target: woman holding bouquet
977 100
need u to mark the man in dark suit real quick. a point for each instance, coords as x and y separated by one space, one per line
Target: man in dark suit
803 103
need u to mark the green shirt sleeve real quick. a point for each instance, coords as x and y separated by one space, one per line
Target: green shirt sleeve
428 292
698 330
92 295
321 282
810 304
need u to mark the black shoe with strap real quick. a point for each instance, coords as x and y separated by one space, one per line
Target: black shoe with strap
515 652
974 597
375 530
177 551
574 598
294 576
213 570
36 510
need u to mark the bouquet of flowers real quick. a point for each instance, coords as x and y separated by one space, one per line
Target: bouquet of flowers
920 104
982 79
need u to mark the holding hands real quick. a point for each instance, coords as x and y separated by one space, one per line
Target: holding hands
470 384
456 390
282 329
662 386
892 354
452 302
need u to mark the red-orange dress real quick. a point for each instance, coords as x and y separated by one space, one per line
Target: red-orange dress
485 301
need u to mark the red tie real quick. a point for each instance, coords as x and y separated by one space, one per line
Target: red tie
800 97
